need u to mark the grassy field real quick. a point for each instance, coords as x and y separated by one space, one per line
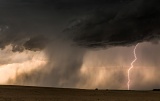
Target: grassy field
21 93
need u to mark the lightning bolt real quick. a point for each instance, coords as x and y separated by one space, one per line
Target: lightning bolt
135 58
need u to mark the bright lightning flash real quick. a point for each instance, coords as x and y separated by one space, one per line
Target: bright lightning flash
128 84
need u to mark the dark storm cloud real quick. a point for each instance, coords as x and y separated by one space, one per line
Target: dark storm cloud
134 22
37 25
27 19
45 24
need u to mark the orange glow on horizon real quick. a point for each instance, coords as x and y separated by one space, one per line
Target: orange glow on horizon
15 63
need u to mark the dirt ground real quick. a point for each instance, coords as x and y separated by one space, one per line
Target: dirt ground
21 93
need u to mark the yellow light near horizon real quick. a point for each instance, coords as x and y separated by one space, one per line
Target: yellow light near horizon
15 63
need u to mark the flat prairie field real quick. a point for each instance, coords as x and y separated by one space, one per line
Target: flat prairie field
27 93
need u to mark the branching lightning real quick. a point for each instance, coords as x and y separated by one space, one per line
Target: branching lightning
128 84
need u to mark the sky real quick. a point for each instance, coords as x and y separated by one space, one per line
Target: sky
80 44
